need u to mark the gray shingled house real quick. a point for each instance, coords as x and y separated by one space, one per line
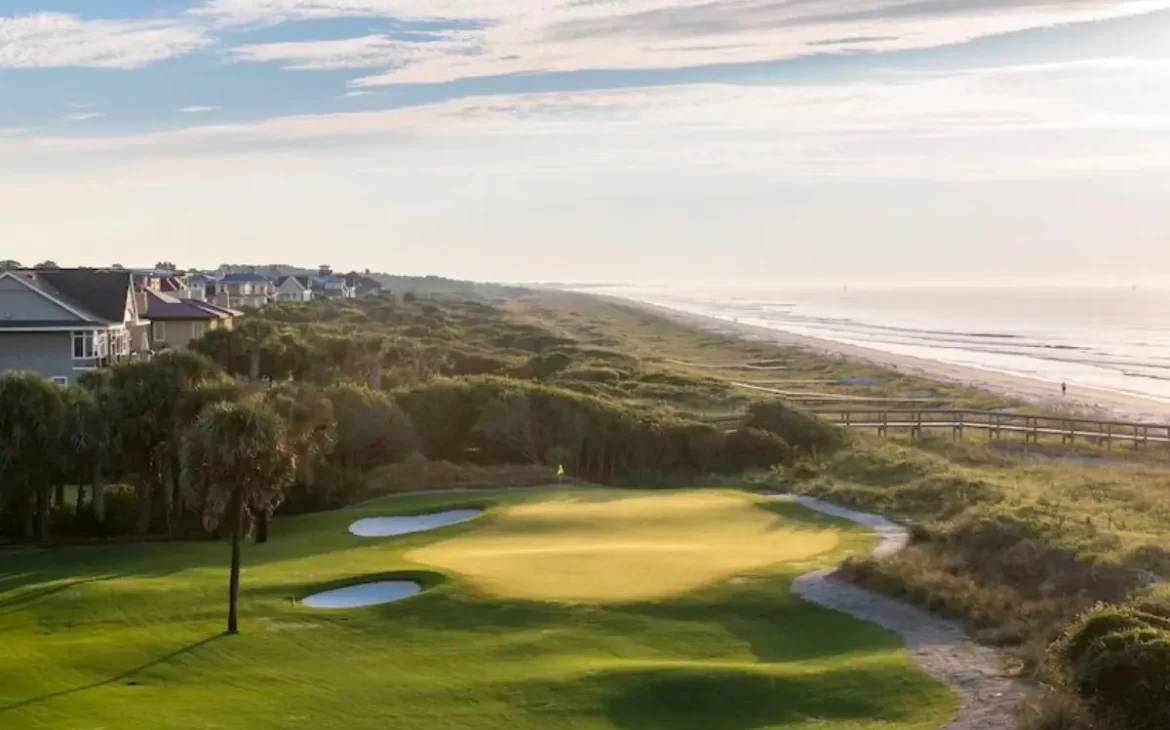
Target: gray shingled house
63 322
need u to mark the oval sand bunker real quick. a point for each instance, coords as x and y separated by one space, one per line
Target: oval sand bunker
364 594
390 526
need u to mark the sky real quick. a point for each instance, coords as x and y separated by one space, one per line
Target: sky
656 141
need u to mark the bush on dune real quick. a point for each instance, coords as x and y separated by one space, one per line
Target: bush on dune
1117 659
806 434
498 420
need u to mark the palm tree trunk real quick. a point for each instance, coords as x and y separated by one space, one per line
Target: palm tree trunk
180 471
262 527
254 370
99 497
44 494
145 505
168 495
233 626
58 495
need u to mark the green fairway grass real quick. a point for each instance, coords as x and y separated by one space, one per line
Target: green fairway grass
129 637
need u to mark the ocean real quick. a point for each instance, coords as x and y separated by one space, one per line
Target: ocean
1116 339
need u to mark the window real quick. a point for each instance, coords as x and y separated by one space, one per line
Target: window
158 331
103 344
123 343
198 329
60 380
84 345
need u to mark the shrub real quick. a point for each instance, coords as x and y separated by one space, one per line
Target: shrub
1117 659
591 375
371 428
751 448
540 367
807 435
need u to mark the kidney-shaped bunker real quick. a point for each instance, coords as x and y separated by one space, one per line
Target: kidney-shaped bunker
364 594
390 526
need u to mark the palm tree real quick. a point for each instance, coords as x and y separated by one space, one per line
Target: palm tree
239 462
257 337
311 434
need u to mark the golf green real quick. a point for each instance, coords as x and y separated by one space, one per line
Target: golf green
641 610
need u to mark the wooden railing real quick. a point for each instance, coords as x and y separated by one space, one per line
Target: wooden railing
996 423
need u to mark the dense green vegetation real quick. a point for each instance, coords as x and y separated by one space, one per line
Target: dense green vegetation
1016 540
359 385
121 636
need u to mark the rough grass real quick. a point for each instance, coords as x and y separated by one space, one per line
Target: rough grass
1014 539
566 549
127 637
1013 543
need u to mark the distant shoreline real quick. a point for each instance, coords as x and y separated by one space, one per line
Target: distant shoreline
1099 402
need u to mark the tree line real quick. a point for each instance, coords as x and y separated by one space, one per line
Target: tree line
295 409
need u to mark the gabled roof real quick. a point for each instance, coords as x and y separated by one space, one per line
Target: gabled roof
95 295
244 278
302 280
164 306
170 284
226 311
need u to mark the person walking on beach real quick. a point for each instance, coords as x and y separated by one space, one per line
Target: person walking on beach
1063 388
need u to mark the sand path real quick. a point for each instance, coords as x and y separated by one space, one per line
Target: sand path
989 698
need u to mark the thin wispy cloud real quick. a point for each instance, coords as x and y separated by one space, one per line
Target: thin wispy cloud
197 109
59 40
518 36
82 116
1009 121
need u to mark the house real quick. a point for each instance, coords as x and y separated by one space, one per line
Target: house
244 290
64 322
197 286
362 285
176 322
294 289
327 285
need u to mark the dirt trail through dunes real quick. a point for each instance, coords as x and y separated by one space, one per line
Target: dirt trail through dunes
989 697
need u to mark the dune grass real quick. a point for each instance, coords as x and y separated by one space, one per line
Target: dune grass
130 636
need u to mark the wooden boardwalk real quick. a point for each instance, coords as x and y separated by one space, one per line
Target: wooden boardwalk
996 424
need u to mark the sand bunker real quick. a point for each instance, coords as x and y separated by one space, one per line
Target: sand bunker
615 550
364 594
390 526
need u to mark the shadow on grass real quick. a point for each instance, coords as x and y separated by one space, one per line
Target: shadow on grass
730 698
11 604
114 679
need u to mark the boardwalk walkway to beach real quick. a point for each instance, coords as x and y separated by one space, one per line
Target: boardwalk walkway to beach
996 424
917 416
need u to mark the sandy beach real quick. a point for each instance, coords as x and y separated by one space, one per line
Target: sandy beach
1085 401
